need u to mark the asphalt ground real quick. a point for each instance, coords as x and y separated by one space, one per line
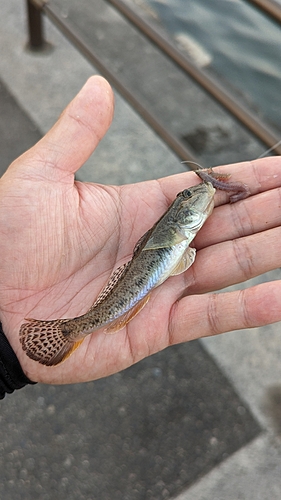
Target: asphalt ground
197 421
143 433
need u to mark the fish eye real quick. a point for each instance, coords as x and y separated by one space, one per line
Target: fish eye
186 193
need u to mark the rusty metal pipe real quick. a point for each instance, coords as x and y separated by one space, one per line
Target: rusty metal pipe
269 7
246 117
73 36
228 101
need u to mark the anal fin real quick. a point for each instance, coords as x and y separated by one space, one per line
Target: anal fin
67 354
123 320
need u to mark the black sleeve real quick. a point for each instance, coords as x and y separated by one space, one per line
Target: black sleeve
11 375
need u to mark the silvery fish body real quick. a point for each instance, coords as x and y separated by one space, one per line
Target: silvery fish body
162 252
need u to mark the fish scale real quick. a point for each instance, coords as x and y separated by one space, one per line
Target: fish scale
162 252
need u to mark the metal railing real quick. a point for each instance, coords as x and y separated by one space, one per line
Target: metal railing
251 121
269 7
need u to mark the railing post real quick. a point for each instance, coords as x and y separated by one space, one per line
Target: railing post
35 26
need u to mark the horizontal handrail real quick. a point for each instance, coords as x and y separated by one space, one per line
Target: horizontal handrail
74 37
269 7
224 97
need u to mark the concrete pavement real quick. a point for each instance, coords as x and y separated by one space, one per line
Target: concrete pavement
198 421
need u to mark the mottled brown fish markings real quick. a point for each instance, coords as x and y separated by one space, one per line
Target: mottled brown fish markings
163 251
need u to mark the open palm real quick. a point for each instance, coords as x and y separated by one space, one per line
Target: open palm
61 240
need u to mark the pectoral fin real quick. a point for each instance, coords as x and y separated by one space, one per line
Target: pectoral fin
186 261
121 322
168 239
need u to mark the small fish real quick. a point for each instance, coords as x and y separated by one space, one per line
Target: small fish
163 251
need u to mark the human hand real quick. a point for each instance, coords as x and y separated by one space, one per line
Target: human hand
61 239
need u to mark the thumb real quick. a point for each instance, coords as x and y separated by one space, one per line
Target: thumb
76 134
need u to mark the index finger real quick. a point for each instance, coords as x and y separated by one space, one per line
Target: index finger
260 175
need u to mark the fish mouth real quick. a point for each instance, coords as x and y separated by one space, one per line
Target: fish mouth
211 188
207 201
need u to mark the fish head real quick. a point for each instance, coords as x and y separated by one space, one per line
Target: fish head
194 205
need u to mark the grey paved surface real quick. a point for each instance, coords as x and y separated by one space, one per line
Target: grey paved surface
17 131
202 419
142 434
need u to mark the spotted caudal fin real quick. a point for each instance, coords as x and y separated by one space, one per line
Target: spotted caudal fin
45 342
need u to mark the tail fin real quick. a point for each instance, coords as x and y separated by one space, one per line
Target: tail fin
45 342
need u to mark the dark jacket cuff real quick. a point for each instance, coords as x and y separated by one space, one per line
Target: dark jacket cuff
11 375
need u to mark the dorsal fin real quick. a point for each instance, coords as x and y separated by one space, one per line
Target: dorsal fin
142 241
115 277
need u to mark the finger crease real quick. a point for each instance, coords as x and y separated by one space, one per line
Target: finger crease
241 221
243 310
172 314
130 348
213 315
244 258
